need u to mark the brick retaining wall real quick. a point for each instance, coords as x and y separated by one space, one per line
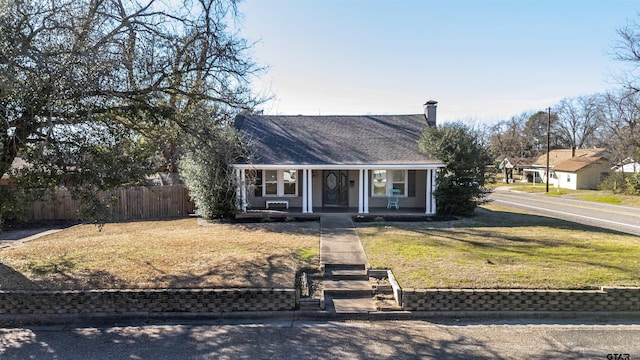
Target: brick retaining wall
235 300
144 300
606 299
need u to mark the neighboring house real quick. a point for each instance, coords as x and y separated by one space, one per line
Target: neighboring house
538 169
355 163
506 166
627 165
511 166
581 172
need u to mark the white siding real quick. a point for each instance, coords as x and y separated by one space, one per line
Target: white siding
567 180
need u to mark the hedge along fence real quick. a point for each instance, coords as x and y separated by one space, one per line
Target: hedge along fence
133 203
147 300
605 299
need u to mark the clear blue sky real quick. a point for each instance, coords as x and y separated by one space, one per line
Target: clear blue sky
482 61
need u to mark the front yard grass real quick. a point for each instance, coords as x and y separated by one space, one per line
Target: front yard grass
163 254
500 248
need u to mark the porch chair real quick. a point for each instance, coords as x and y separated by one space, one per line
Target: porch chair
394 199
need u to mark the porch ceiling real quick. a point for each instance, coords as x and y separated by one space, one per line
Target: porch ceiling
320 211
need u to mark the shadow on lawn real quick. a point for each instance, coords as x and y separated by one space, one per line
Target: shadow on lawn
292 227
60 279
11 279
477 235
486 218
520 245
274 271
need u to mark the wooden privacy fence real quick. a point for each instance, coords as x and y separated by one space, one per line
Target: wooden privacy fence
131 204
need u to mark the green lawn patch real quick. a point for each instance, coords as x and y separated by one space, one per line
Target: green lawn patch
602 198
528 187
556 192
500 248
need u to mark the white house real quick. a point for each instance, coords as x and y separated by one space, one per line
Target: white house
584 172
627 165
556 157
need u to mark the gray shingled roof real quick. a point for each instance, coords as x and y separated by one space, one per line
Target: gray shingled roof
342 140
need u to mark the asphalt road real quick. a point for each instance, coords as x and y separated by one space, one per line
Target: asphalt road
325 340
614 217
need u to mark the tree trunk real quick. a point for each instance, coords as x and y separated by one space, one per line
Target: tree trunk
9 153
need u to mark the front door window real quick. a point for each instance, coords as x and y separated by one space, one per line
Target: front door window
336 189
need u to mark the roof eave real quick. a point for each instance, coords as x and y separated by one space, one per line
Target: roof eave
424 166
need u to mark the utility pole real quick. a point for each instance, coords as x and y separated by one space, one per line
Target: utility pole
548 142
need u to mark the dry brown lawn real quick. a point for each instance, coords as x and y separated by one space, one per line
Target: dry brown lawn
163 254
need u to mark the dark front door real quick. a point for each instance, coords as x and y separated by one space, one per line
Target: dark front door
336 188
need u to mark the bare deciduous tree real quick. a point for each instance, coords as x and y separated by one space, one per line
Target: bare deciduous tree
578 120
628 50
89 87
507 139
621 124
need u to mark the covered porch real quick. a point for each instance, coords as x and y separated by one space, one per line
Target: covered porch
417 213
377 190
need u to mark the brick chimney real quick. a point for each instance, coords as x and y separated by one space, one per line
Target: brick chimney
430 112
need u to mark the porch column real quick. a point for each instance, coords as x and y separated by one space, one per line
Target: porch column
430 201
366 190
305 184
433 189
310 191
238 191
243 189
360 191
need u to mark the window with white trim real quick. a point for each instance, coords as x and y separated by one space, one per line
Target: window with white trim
379 179
399 182
289 182
387 182
280 183
270 180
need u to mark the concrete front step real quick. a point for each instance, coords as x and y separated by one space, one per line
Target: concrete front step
382 289
340 274
344 266
350 305
310 304
347 288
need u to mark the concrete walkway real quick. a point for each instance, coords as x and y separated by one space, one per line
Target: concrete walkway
346 284
19 237
340 243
